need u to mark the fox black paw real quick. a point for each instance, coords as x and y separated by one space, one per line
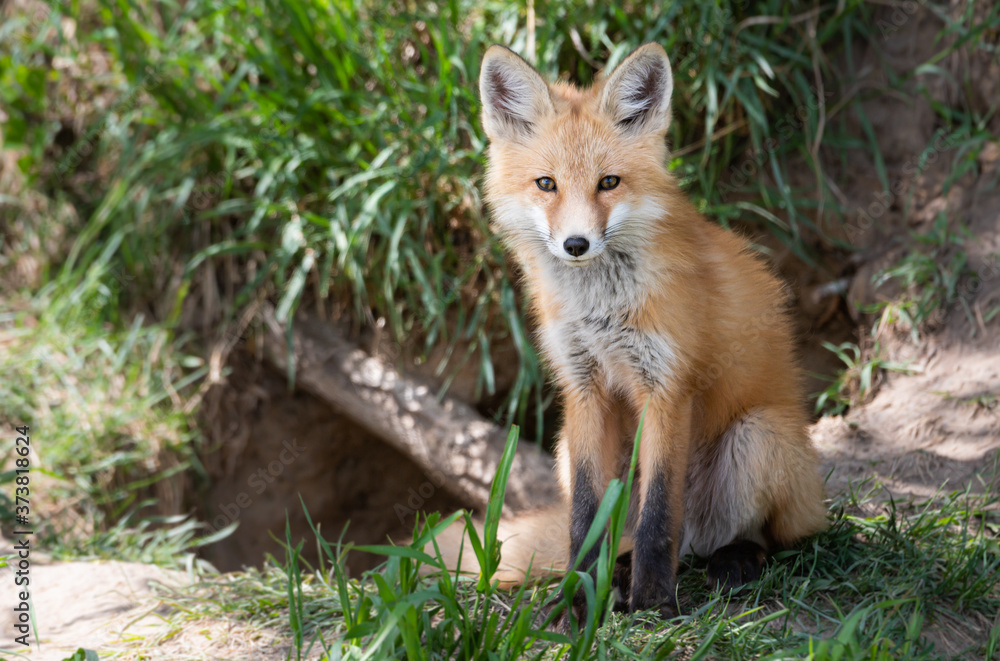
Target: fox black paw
736 564
661 602
663 611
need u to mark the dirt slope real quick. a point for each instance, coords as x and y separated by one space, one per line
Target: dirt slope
941 424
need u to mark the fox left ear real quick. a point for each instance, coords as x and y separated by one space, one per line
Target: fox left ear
637 94
515 98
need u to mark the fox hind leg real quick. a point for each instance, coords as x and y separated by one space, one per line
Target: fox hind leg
755 488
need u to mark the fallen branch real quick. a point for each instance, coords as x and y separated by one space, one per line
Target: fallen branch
456 447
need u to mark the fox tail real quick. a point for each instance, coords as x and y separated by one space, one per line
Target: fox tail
534 546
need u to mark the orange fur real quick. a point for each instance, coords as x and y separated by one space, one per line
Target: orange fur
664 308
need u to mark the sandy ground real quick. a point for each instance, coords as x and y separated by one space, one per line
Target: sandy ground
117 608
933 432
937 429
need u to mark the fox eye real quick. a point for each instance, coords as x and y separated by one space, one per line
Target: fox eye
609 182
547 184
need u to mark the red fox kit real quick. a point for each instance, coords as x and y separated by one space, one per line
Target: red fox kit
641 300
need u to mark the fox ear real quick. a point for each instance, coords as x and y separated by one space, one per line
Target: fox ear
637 93
514 96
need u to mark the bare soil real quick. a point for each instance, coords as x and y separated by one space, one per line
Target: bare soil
937 429
118 608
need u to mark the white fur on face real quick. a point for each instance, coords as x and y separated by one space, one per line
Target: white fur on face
526 227
636 218
539 220
592 337
523 227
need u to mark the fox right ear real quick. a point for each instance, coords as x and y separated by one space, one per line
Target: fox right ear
514 96
637 93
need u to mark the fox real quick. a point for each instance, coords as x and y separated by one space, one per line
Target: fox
644 308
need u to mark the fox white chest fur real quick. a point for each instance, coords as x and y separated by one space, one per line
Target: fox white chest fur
592 334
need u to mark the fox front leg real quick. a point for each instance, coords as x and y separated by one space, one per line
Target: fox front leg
662 467
589 453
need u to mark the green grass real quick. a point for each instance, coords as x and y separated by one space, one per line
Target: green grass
885 581
856 382
103 438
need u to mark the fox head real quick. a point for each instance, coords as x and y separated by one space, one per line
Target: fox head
577 174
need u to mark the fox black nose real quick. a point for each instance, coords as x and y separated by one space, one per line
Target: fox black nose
576 245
